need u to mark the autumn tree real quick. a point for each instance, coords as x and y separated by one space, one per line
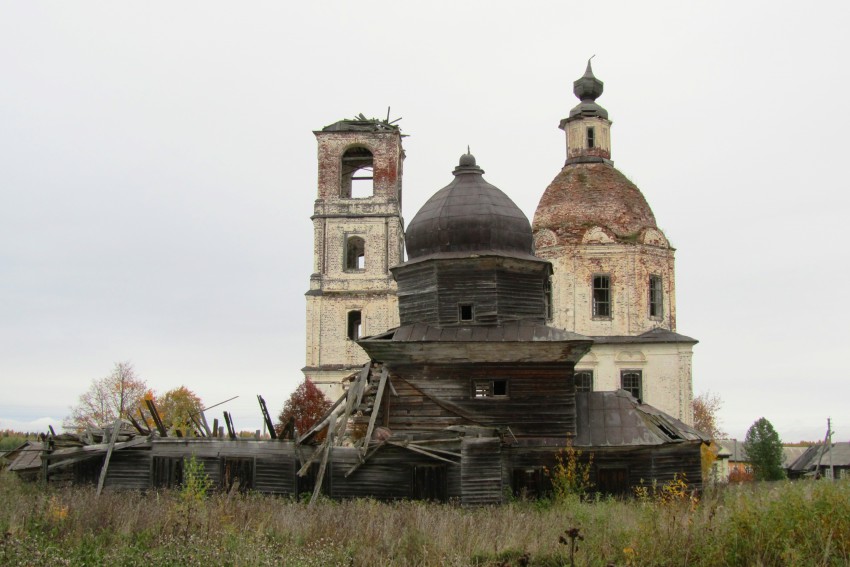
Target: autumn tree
108 398
764 449
305 407
706 407
176 407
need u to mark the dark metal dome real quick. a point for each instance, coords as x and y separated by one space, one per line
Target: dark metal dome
469 216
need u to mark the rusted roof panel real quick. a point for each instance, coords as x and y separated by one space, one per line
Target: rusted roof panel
609 419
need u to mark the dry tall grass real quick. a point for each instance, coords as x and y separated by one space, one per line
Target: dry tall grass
805 523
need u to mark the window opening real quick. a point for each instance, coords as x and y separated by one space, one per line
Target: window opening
357 175
466 312
430 482
632 382
656 308
531 482
482 389
167 472
601 296
590 137
238 472
547 297
354 324
355 253
584 380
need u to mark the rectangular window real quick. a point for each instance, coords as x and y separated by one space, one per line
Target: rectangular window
354 324
488 389
656 306
591 138
602 296
632 382
547 297
466 312
584 380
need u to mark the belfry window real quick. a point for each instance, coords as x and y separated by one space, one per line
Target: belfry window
584 380
355 253
656 305
466 312
354 325
547 298
356 174
632 382
602 296
591 135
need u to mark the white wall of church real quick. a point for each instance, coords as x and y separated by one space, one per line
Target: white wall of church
665 372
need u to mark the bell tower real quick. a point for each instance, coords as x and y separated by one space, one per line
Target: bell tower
358 234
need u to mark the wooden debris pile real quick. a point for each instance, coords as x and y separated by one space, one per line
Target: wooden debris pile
352 422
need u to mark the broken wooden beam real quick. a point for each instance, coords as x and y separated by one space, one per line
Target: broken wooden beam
115 429
266 417
378 395
320 477
156 419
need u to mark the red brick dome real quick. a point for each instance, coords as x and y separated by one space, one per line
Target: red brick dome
584 195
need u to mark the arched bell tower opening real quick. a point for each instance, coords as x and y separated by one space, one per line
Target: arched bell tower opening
358 235
357 174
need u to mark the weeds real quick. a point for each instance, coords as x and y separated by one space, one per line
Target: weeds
570 476
784 523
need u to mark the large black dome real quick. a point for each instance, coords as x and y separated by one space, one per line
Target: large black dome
469 216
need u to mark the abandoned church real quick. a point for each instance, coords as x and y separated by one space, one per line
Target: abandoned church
462 367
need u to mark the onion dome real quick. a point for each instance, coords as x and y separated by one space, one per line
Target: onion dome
584 195
588 88
469 216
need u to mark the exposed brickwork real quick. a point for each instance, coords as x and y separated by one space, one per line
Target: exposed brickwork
336 288
592 220
592 194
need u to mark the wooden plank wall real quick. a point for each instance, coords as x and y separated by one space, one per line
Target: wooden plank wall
417 294
481 471
540 398
128 470
431 291
275 475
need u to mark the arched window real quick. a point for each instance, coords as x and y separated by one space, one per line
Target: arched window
355 253
356 180
354 323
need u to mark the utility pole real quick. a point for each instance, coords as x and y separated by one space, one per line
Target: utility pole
827 441
829 432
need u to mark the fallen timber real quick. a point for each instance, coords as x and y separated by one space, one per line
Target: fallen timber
352 452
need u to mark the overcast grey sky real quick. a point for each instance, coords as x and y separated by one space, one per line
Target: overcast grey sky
158 170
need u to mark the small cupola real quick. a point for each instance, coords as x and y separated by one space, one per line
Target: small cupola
587 127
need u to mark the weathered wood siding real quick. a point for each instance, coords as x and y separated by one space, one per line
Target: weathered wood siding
275 475
417 294
640 463
500 289
481 471
128 469
661 463
540 398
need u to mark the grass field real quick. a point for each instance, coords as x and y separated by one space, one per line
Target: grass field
802 523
